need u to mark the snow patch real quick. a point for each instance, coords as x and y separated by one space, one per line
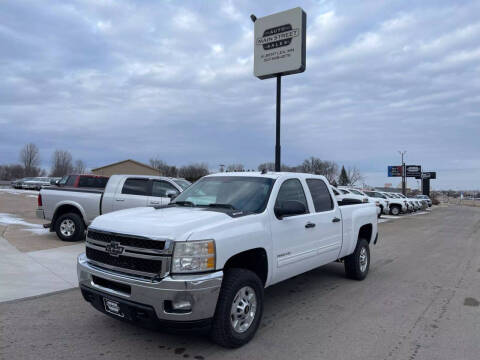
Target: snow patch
18 192
9 219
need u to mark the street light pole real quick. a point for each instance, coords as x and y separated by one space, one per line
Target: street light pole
404 175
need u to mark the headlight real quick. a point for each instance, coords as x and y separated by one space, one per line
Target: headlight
193 256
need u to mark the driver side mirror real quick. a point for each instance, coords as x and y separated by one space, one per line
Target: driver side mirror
289 208
171 194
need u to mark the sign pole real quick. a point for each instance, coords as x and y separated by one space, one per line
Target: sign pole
280 42
277 141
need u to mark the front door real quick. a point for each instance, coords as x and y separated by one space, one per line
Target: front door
293 236
134 193
160 190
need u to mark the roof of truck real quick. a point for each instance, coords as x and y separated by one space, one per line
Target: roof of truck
266 174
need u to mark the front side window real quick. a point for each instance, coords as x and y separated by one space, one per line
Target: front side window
244 193
322 200
291 190
135 187
182 183
160 188
71 180
63 180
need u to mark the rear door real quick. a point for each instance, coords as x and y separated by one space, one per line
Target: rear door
134 193
160 189
327 219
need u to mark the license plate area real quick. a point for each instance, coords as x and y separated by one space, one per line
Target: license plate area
113 307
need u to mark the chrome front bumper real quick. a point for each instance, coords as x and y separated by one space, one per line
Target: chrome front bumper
201 291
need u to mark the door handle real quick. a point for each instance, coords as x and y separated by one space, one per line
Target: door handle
120 199
309 225
335 219
154 202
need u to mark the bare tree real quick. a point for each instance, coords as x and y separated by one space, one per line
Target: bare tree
354 175
30 158
193 172
61 163
163 168
80 167
314 165
235 167
11 172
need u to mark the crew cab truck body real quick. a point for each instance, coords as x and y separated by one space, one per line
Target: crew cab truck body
206 258
71 210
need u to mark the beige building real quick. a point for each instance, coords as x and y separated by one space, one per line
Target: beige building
128 166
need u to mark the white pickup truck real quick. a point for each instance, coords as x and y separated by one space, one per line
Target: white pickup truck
207 257
71 210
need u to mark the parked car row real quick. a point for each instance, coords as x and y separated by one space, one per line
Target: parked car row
386 202
33 183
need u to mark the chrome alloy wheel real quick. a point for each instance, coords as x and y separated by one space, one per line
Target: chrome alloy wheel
244 308
67 227
363 259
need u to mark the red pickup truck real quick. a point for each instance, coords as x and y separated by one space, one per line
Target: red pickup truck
83 181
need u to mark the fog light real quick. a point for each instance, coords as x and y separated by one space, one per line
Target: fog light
181 305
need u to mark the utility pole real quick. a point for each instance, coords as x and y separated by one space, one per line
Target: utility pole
404 175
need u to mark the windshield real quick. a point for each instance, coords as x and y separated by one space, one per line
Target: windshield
182 183
243 193
355 192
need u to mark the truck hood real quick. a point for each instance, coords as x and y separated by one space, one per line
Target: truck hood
175 223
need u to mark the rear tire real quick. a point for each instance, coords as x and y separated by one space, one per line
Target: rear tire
70 227
358 263
239 308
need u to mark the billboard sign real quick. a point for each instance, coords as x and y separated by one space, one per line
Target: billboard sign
280 44
395 171
413 170
427 175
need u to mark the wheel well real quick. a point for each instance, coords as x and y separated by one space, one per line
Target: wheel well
65 209
365 232
254 260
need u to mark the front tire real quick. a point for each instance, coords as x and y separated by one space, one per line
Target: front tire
395 210
358 263
239 308
70 227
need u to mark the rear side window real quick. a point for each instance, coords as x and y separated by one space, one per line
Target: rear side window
291 190
71 180
135 187
160 188
92 182
320 195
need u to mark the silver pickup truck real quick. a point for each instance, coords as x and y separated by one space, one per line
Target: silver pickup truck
71 210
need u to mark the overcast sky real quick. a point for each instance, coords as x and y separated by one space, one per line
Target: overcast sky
110 80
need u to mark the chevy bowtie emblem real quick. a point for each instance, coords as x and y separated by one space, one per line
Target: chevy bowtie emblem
114 248
277 37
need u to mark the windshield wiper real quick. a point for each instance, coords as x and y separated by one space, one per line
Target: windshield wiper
183 203
225 206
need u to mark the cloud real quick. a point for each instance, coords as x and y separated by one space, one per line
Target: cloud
112 80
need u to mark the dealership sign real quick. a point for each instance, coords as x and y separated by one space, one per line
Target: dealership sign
413 170
280 44
395 171
427 175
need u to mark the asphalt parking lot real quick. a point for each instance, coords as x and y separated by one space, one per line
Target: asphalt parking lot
420 301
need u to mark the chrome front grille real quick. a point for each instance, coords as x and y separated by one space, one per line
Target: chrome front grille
133 255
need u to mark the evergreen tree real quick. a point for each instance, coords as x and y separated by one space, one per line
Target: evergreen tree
343 179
